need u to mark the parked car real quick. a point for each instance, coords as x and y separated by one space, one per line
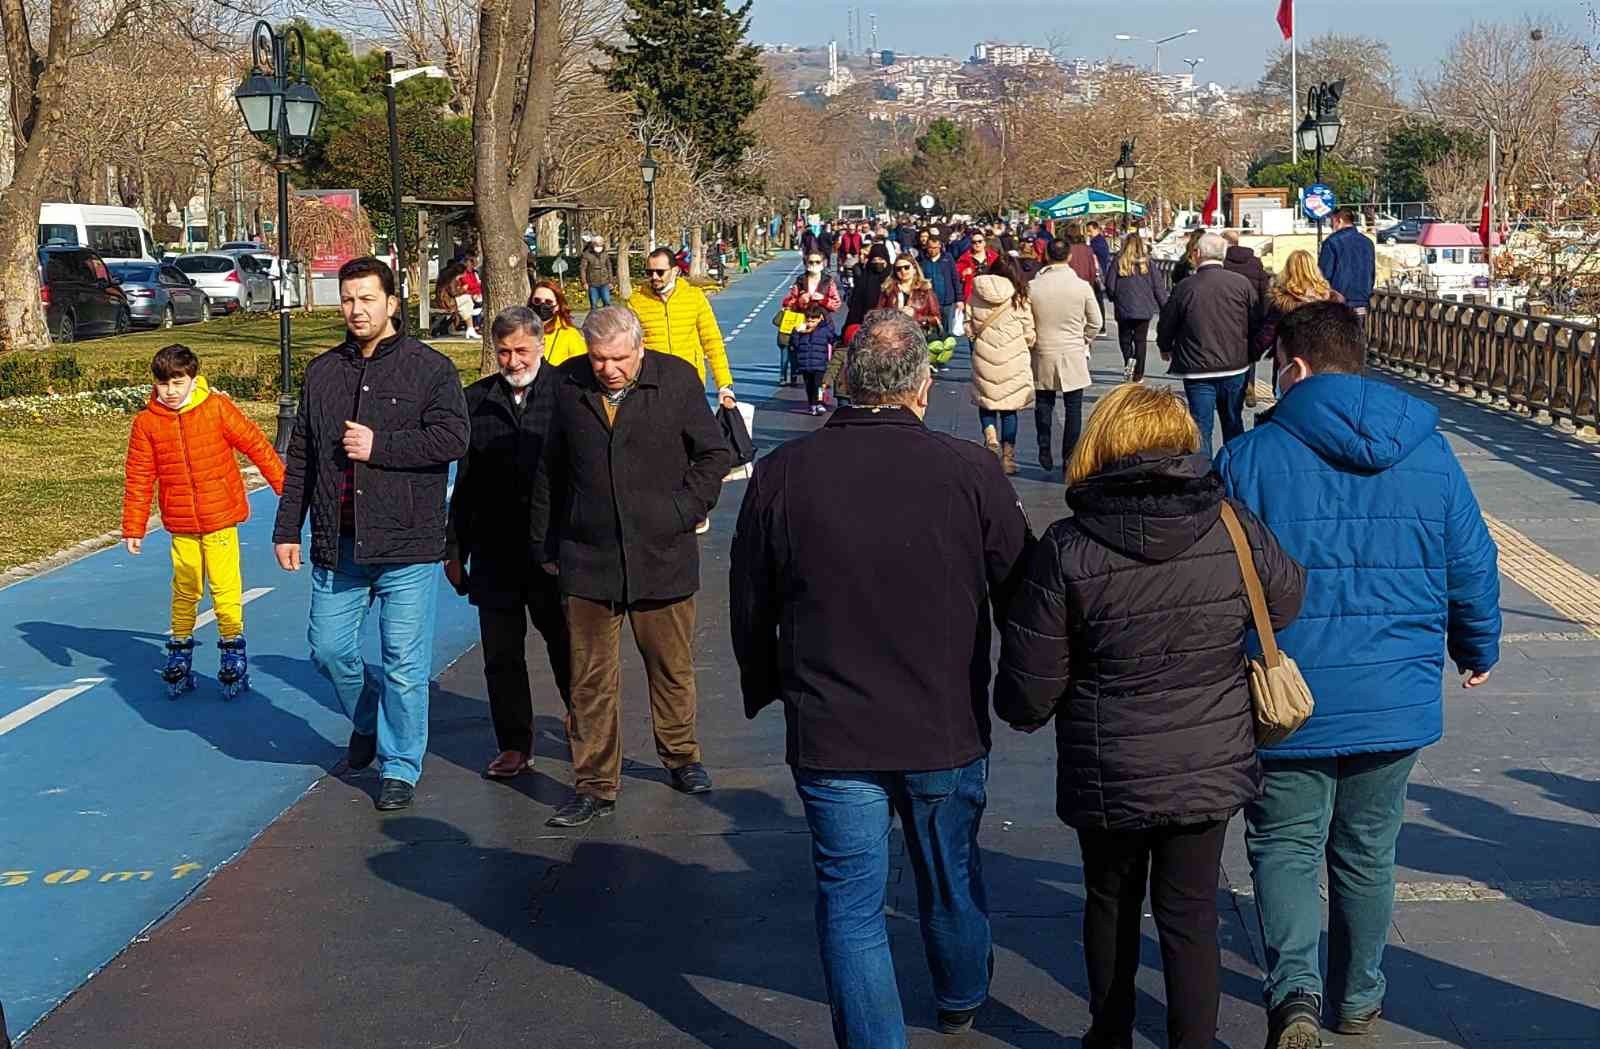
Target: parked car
159 296
80 296
1406 231
231 282
249 247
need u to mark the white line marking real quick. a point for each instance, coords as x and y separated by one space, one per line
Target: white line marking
45 704
209 616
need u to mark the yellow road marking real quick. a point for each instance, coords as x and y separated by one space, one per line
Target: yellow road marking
1567 589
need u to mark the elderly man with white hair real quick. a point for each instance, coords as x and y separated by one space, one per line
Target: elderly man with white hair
1206 330
633 459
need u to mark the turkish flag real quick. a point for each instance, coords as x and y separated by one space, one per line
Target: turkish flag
1286 18
1213 205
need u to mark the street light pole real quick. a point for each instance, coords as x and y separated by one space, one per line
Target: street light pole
1319 131
647 171
398 240
1124 172
281 108
1157 43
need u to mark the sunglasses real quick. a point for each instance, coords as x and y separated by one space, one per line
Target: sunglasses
656 273
902 269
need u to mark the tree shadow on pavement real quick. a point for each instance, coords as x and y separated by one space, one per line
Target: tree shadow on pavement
249 728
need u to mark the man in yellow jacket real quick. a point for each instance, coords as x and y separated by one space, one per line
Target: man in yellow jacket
677 319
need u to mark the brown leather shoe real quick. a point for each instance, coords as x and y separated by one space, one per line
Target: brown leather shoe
1008 458
510 763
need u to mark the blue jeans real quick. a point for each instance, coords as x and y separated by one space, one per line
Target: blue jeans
599 295
395 708
850 814
1005 422
1345 811
1223 397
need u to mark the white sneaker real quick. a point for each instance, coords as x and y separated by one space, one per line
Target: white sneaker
1127 370
703 527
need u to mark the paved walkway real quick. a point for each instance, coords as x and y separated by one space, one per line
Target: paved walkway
687 922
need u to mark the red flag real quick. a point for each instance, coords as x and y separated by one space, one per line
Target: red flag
1213 204
1286 18
1485 220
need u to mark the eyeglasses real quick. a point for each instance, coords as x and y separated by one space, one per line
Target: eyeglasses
902 269
656 273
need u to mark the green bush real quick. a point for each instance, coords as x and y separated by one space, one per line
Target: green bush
65 375
23 373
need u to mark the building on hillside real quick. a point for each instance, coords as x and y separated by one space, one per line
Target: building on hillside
994 53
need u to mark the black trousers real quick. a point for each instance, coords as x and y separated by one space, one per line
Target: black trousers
1100 301
1180 863
813 387
1044 410
505 660
1133 337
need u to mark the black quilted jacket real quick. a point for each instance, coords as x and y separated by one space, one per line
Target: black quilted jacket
1129 629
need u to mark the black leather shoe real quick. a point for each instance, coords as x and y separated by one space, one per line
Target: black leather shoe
692 779
395 794
1046 463
1295 1023
360 752
579 810
1357 1025
956 1021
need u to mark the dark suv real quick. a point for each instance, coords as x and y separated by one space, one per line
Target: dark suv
80 296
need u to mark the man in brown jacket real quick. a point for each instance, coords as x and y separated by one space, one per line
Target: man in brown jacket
597 272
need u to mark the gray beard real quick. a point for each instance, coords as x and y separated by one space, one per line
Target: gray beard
521 380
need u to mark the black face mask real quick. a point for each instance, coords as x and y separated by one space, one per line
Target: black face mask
879 266
545 310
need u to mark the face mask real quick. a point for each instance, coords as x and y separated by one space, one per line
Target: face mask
880 266
813 267
545 310
1277 384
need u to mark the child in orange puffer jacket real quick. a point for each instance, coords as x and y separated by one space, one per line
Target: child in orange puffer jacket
183 445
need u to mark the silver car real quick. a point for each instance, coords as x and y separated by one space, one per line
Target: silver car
232 283
159 296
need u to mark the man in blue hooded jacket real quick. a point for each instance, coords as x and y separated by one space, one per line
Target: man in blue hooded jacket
1358 485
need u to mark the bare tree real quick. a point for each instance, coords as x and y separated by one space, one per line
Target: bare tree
518 61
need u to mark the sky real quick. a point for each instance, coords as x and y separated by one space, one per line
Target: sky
1235 37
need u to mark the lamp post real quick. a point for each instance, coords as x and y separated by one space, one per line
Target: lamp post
281 107
1157 43
647 171
1319 130
1125 171
392 79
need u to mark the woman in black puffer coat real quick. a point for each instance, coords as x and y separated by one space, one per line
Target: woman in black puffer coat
1130 630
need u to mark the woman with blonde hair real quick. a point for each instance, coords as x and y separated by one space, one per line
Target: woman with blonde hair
1129 629
562 339
1300 282
1191 255
1137 295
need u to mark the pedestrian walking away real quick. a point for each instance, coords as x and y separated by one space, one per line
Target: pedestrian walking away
381 418
488 556
1206 331
1002 364
1349 261
1359 484
1189 261
181 448
597 271
1137 296
884 687
1129 631
1102 258
1066 318
1243 261
631 461
1300 283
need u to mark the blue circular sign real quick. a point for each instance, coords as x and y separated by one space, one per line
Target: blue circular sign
1319 202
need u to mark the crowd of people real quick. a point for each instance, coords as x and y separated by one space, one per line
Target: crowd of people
591 458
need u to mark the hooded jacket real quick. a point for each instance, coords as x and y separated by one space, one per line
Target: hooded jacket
1130 629
187 456
1359 485
1243 261
1280 302
868 288
1002 336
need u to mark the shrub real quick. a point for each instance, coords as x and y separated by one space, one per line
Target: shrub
65 375
23 373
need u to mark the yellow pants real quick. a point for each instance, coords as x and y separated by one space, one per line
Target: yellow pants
198 560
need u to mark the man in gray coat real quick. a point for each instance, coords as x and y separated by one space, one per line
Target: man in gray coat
1066 318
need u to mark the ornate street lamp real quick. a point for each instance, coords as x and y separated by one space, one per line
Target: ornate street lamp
1319 130
647 172
279 106
1125 170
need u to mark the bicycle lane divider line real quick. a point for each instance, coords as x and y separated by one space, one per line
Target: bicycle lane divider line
46 703
209 616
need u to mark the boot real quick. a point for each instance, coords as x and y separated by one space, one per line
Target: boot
991 439
1008 458
1046 463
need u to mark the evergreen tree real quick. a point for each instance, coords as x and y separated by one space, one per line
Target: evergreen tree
689 62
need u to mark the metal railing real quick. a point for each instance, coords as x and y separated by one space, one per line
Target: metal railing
1543 367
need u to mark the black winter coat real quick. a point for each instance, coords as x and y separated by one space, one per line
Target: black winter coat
1129 628
861 595
1209 323
492 505
1138 296
623 502
1243 261
410 395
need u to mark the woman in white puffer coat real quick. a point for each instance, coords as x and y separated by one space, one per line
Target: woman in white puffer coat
1002 367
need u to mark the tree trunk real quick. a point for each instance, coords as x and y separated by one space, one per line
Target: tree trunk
624 278
697 251
22 323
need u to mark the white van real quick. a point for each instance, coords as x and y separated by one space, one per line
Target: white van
115 234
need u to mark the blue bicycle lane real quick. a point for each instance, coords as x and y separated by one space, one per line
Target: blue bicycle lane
119 802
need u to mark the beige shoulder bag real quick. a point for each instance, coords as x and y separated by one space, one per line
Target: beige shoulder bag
1278 692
